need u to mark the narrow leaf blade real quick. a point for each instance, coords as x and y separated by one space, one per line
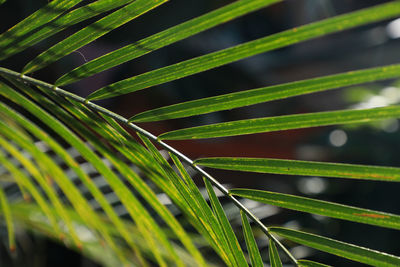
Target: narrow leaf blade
274 258
308 168
342 249
320 207
226 226
308 263
252 248
287 122
5 208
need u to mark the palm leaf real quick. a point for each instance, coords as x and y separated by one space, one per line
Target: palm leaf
136 173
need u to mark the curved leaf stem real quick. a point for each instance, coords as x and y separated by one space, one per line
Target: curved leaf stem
153 138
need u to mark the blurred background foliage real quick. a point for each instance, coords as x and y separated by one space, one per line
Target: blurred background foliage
375 144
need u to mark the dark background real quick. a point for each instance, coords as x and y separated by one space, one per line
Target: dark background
363 47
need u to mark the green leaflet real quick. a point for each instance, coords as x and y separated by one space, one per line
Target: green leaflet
24 28
307 263
349 251
324 208
252 248
5 209
229 55
260 95
309 168
231 239
73 17
287 122
91 33
164 38
274 258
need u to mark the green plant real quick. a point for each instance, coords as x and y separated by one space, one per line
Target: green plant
34 110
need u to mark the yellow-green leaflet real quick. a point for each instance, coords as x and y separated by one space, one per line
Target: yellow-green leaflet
5 208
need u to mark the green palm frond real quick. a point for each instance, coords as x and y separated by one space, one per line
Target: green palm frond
61 150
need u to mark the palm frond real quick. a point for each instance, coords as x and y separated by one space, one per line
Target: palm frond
63 150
